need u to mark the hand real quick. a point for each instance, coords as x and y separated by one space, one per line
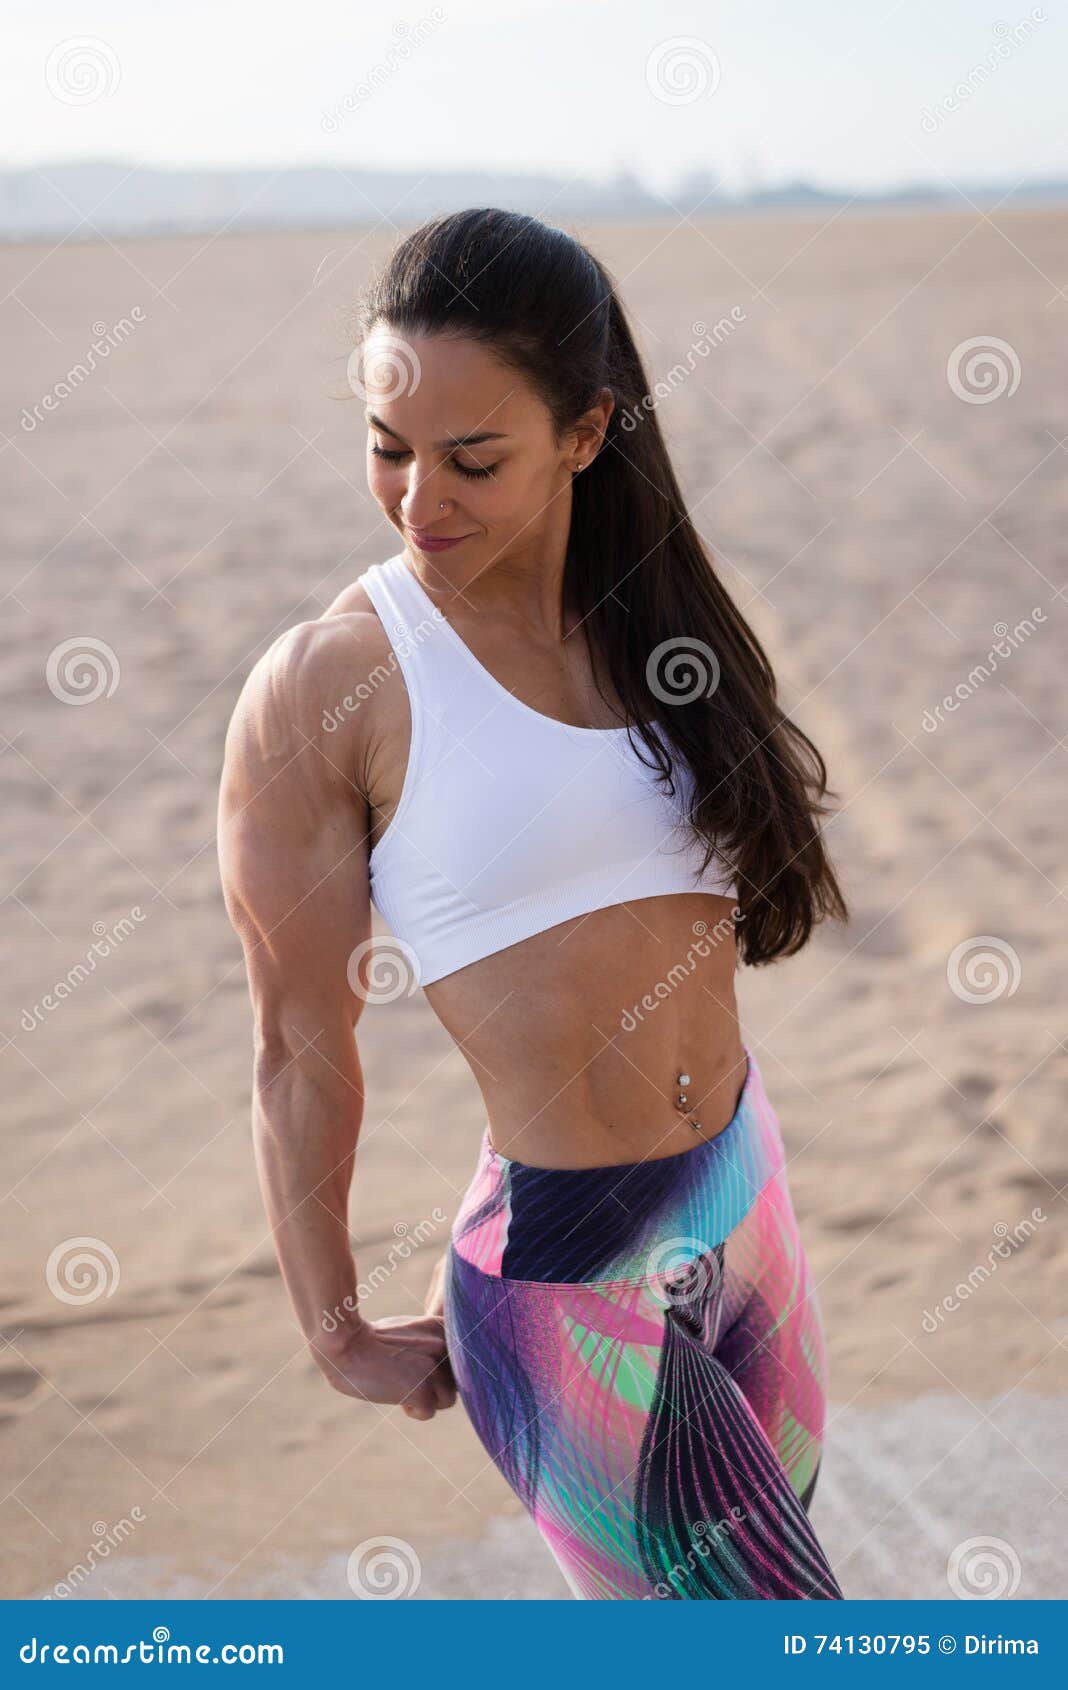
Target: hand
399 1359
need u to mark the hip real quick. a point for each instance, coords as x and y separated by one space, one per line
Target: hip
622 1223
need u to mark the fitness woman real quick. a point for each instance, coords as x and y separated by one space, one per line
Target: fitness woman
541 740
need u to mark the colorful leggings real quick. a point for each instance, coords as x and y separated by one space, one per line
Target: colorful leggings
640 1350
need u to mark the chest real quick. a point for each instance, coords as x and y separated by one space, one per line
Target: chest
517 753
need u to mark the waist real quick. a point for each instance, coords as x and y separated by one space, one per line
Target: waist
629 1222
576 1037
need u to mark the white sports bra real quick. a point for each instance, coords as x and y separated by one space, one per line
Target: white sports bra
509 821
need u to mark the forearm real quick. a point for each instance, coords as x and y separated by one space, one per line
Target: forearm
305 1131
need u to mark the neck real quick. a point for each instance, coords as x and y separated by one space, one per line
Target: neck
524 590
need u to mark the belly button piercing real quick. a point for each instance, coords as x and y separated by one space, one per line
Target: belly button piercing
681 1101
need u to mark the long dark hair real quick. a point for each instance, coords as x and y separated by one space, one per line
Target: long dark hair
637 574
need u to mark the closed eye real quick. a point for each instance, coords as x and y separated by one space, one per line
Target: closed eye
464 469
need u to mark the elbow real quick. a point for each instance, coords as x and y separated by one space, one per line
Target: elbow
274 1042
270 1037
324 1062
271 1055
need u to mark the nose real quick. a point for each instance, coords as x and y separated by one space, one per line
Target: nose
422 504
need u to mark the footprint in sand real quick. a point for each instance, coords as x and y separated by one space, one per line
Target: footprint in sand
19 1387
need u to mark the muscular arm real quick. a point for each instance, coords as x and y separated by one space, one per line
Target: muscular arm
294 862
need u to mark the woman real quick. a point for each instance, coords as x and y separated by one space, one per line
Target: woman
542 741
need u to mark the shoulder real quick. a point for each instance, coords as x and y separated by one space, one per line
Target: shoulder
314 676
305 720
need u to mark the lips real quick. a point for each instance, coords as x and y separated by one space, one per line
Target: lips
434 542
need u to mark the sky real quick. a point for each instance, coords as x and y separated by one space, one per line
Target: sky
841 93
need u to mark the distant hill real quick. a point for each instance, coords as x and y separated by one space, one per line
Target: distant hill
88 200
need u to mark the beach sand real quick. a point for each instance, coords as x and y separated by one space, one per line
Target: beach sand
162 1426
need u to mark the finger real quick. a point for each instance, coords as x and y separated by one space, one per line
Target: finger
420 1362
426 1325
410 1322
444 1389
425 1329
424 1343
445 1371
442 1384
436 1389
419 1404
431 1368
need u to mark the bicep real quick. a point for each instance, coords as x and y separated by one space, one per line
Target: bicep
293 854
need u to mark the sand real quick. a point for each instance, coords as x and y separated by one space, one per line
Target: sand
202 489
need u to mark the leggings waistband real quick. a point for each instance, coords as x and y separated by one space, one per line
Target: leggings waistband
628 1222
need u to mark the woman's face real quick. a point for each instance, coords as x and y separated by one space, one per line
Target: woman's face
459 447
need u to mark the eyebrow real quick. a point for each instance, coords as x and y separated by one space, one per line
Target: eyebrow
439 445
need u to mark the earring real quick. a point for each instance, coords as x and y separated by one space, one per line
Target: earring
441 507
